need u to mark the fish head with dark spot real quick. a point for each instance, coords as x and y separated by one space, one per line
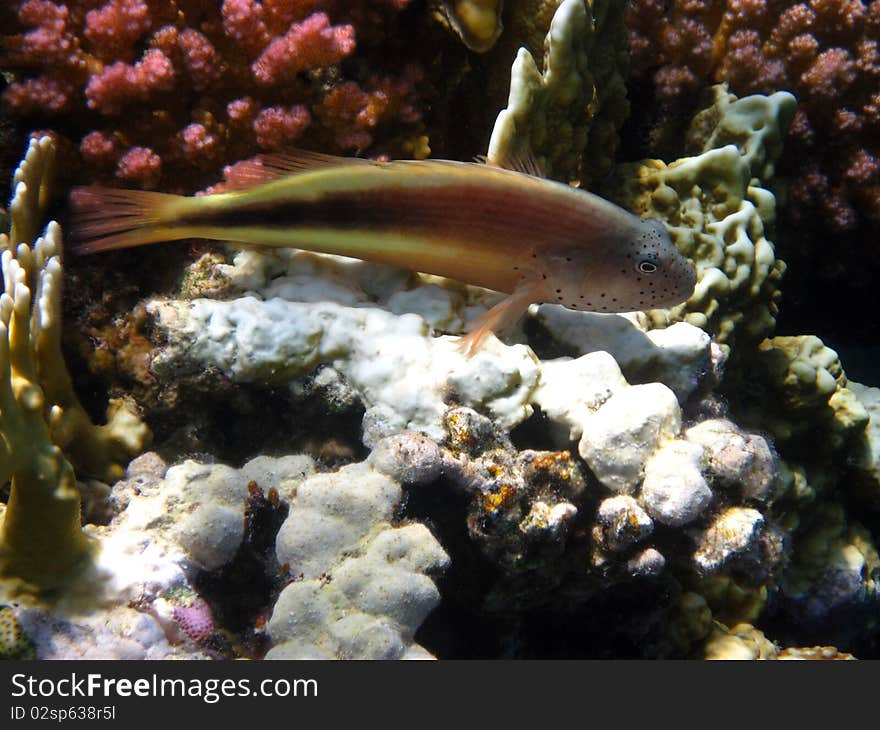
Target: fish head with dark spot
633 270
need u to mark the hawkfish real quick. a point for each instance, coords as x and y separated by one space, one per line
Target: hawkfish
511 230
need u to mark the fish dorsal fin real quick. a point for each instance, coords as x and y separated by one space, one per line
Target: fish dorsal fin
271 166
294 161
524 162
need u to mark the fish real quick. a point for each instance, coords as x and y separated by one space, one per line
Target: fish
499 226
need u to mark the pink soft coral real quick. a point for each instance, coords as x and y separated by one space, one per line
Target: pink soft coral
121 83
307 45
164 94
278 126
113 28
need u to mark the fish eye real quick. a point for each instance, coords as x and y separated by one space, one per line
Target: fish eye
648 264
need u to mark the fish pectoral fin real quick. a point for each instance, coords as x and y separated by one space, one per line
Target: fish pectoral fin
469 344
503 314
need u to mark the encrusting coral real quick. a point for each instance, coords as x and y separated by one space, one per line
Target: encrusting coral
717 211
44 428
835 573
805 381
827 53
361 586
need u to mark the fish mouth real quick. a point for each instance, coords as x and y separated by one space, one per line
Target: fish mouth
685 283
690 273
686 275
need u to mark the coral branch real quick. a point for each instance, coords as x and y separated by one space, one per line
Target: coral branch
43 427
307 45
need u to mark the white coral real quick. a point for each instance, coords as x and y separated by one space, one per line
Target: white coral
360 588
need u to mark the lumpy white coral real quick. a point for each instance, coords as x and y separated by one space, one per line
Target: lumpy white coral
360 588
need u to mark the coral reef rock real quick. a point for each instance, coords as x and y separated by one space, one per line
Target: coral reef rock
716 212
567 115
360 585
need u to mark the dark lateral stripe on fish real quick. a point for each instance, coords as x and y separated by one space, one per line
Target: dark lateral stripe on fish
437 211
508 231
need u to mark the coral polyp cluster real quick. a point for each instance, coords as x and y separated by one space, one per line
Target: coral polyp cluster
825 52
168 91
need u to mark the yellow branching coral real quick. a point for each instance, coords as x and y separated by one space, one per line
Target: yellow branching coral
41 420
97 451
40 537
568 114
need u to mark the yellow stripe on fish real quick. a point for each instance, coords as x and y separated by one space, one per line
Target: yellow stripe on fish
535 239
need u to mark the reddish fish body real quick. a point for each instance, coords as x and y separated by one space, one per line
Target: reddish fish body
533 238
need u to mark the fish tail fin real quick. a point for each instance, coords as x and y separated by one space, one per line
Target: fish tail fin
109 218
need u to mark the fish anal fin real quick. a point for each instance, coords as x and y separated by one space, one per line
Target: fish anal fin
503 314
523 161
